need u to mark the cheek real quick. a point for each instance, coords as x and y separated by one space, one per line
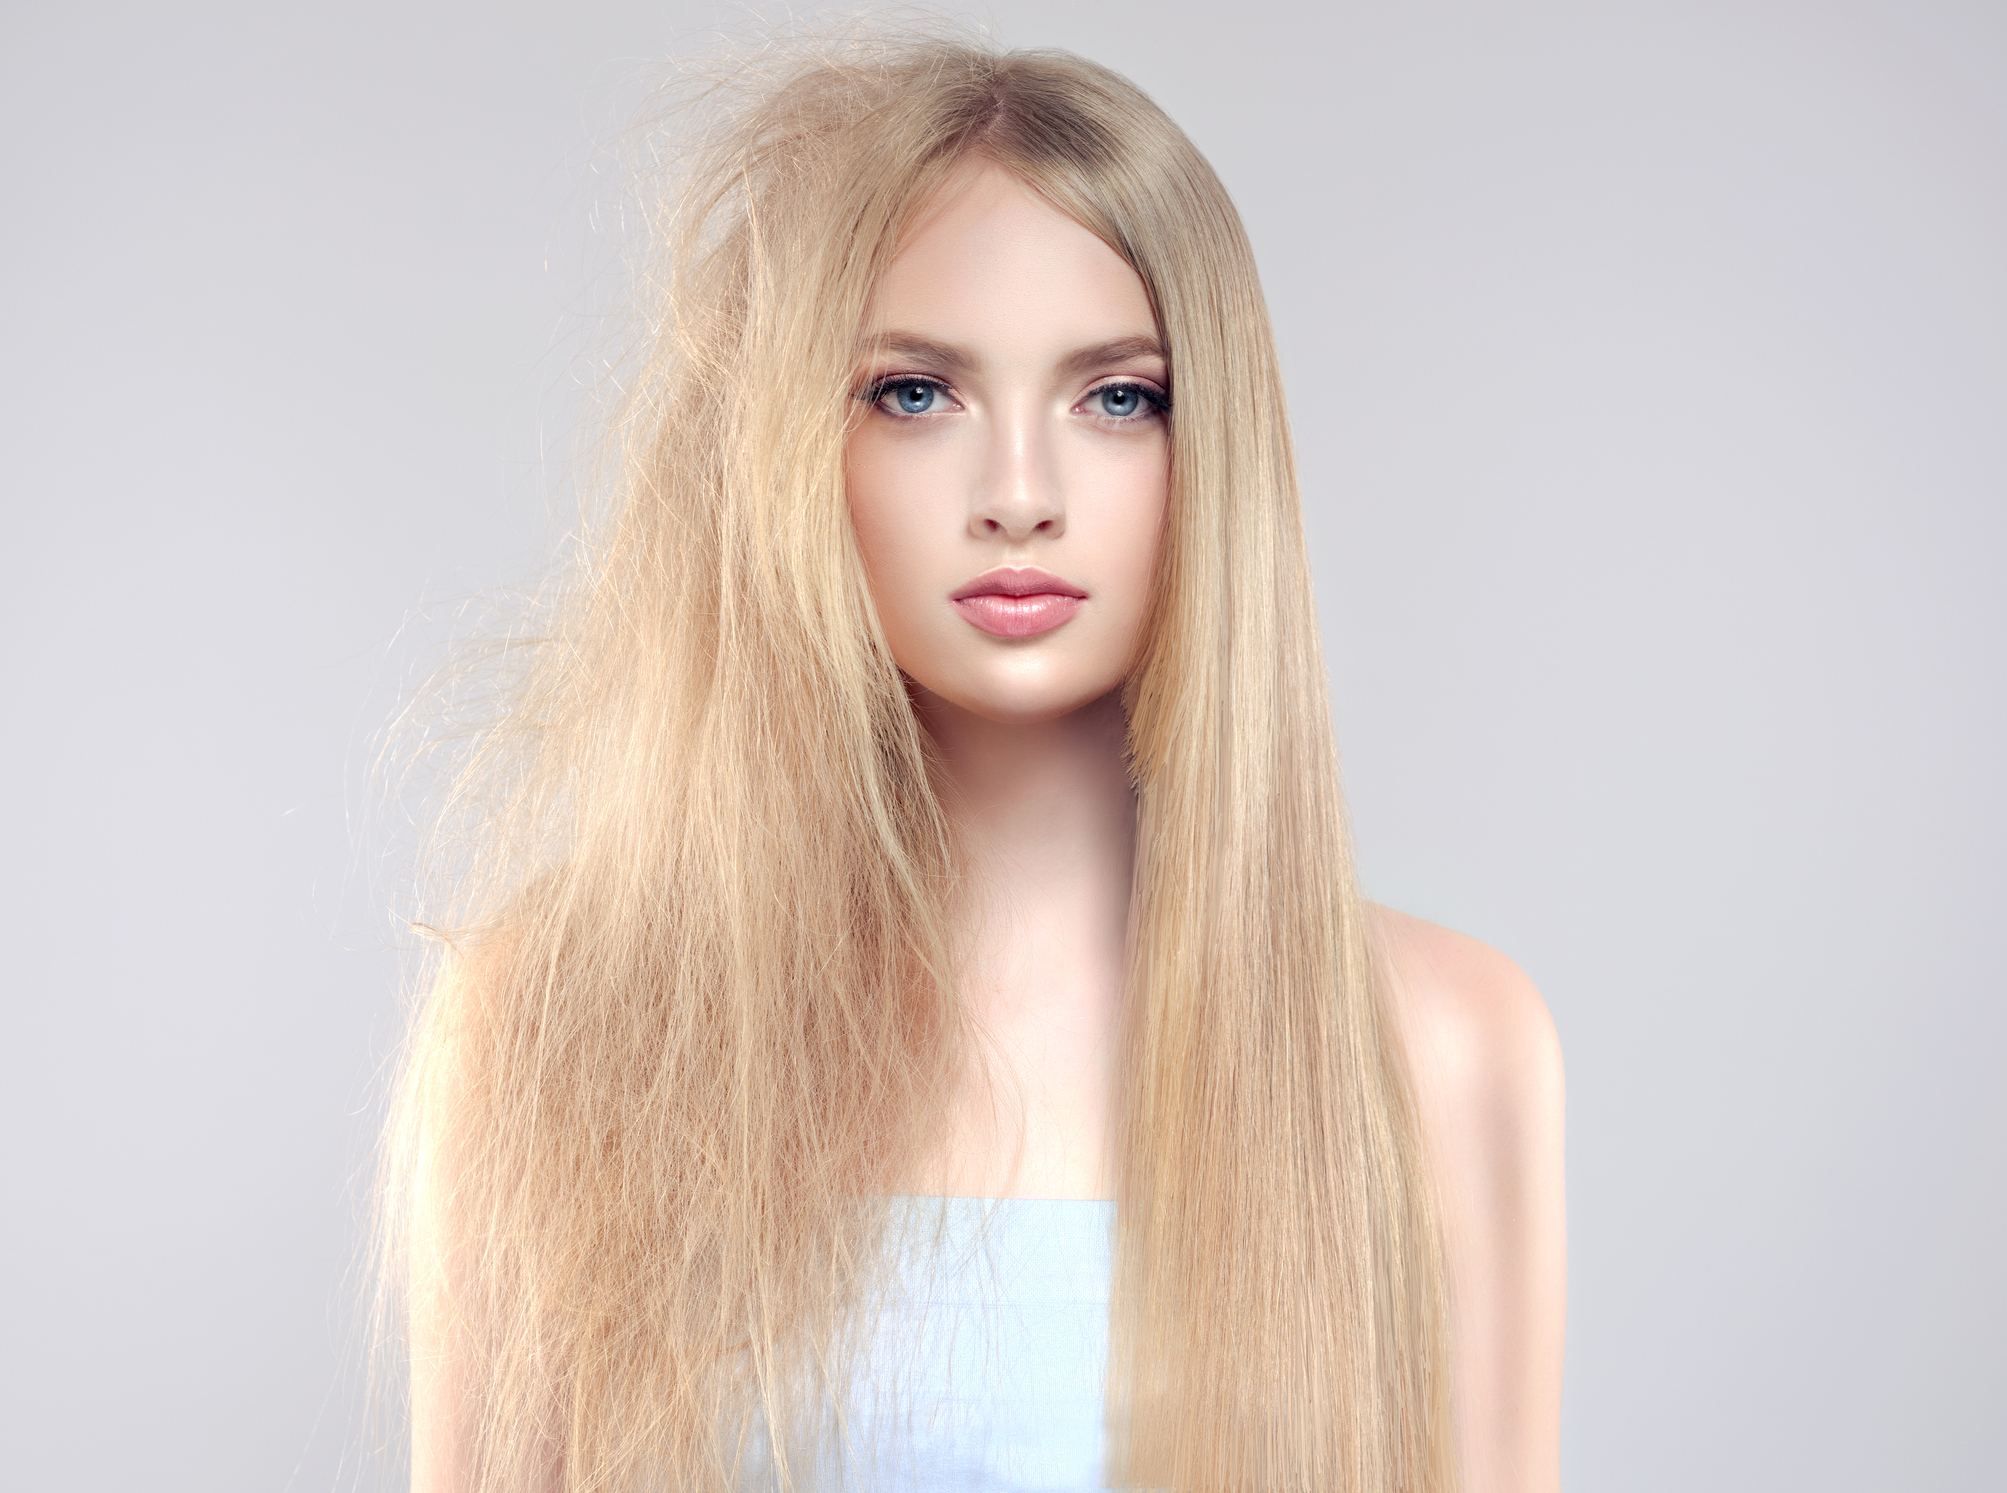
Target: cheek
888 490
1121 531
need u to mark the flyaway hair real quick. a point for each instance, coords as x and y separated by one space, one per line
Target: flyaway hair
697 1018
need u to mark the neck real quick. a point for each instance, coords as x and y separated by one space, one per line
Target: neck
1047 820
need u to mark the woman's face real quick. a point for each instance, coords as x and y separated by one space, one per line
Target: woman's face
1009 472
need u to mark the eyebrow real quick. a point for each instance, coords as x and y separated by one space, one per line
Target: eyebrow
942 355
1120 350
956 360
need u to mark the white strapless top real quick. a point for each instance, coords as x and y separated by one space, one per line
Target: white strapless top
986 1371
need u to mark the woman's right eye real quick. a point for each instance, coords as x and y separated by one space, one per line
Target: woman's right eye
908 396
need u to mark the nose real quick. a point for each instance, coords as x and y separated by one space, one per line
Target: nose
1018 493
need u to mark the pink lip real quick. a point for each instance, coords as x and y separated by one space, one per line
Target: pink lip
1014 603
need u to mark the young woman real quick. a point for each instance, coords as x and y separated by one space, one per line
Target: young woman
928 793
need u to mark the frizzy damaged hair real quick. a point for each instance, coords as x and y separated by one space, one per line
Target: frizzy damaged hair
696 1020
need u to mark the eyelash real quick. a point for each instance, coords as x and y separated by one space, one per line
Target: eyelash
1155 398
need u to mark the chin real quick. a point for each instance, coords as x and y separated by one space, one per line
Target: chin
1019 702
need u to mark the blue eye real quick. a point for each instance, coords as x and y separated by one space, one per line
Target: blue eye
909 396
1127 401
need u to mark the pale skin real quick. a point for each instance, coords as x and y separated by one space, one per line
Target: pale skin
1039 442
994 440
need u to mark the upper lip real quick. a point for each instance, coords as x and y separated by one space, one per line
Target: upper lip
1007 580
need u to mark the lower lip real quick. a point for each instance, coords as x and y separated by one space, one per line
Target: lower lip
1018 616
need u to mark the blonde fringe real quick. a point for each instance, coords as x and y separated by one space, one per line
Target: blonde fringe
695 1021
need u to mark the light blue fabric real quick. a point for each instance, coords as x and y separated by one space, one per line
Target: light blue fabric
989 1369
985 1371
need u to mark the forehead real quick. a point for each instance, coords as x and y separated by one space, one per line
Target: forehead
988 259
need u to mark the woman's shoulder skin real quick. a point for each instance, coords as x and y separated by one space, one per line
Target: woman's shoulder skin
1486 1065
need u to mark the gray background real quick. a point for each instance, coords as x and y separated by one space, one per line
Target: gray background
1649 364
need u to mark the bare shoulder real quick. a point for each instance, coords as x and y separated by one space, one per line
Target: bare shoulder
1475 1027
1486 1065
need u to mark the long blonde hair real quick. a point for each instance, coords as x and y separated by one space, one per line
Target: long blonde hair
697 1017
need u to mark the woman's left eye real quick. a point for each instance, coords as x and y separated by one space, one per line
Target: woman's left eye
1124 401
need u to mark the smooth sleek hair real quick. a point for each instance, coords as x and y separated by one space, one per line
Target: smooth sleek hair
695 1017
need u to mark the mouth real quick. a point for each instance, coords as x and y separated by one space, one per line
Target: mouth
1017 603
